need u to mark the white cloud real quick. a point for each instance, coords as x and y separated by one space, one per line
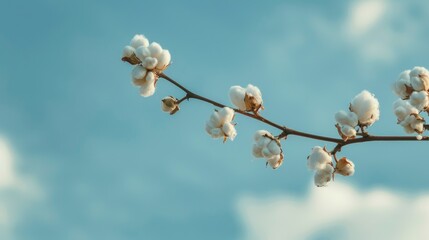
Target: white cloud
364 15
339 211
18 193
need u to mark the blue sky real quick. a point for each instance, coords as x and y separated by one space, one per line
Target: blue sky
88 158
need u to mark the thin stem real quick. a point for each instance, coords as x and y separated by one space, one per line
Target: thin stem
288 131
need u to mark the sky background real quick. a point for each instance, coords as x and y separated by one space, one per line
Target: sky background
83 156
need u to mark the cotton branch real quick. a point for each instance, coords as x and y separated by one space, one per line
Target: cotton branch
285 131
150 60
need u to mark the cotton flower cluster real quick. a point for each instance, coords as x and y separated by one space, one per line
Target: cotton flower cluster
150 60
219 125
246 99
320 161
412 87
268 147
408 116
364 111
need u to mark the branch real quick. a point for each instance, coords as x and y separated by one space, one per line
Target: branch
288 131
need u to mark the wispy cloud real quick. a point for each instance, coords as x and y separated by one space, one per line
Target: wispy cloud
18 192
339 211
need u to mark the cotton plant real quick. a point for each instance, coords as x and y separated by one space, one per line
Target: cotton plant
220 124
246 99
268 147
149 59
320 161
412 87
363 112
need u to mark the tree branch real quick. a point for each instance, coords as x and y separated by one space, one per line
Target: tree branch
288 131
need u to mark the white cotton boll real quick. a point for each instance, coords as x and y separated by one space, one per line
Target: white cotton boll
323 175
236 95
163 60
419 100
229 130
139 40
366 107
142 53
257 151
255 92
401 85
275 161
226 114
150 63
348 131
318 158
147 89
419 78
346 118
274 147
128 51
260 134
216 133
155 49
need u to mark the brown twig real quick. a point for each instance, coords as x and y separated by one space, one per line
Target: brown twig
288 131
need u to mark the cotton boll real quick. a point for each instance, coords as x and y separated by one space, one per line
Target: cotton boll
318 158
348 131
150 63
419 100
236 95
275 161
419 78
345 167
226 114
274 147
139 40
366 107
169 104
402 86
163 60
323 175
155 49
142 53
128 51
346 118
229 130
